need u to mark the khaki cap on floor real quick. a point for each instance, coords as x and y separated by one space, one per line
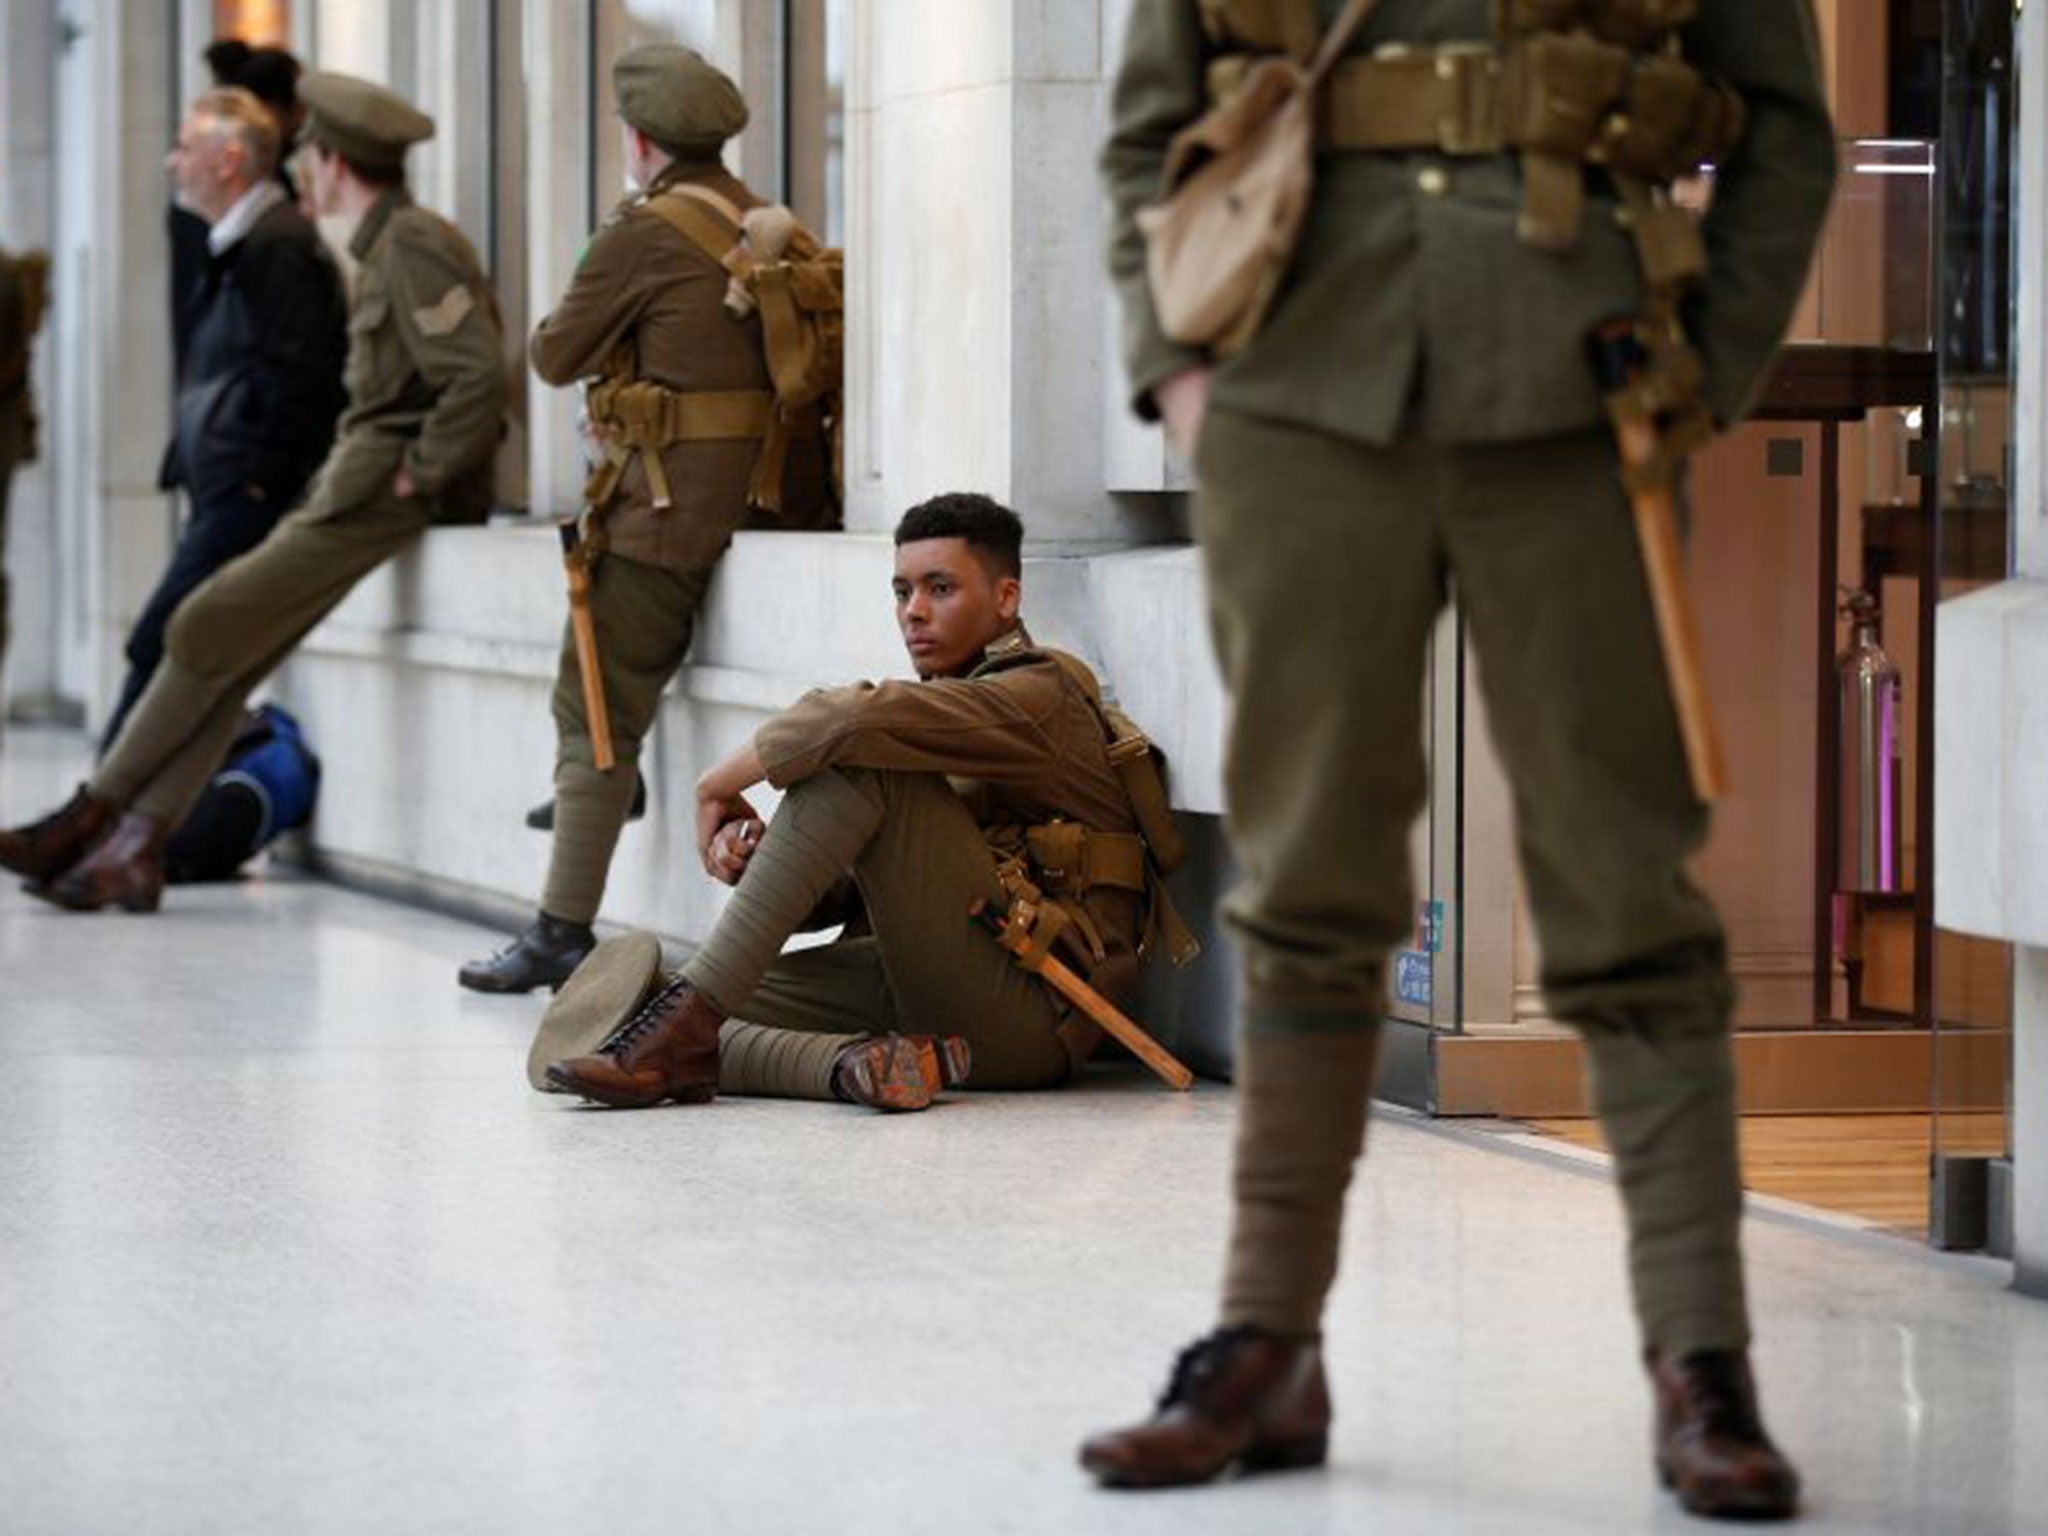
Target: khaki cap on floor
361 120
605 991
677 97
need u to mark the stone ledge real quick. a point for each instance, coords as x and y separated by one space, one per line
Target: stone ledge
488 601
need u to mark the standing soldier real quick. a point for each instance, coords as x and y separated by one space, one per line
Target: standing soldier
21 313
1418 411
426 391
681 399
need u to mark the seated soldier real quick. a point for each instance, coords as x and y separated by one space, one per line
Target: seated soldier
906 803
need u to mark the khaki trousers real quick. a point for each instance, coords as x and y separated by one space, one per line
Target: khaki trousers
1328 562
644 616
234 631
920 863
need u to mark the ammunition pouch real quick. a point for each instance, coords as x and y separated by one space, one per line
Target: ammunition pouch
1634 24
636 416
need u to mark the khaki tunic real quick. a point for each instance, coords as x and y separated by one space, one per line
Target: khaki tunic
1396 291
425 374
643 291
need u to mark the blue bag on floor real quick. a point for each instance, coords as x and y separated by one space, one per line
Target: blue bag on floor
267 786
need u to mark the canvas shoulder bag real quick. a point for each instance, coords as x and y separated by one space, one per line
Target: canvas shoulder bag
1237 183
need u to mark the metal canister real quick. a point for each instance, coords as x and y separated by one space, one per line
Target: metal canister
1868 853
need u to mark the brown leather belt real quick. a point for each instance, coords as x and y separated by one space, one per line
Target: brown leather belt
652 416
1450 98
638 416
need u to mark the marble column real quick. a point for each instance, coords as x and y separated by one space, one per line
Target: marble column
1992 727
28 39
977 350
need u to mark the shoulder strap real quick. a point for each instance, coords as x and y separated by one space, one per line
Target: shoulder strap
729 210
705 219
1338 39
1135 761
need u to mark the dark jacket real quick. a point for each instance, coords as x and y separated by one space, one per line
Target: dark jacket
261 386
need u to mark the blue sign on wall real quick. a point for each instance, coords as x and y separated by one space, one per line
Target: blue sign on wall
1429 930
1414 977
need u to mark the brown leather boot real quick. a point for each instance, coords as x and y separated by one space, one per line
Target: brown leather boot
900 1072
1239 1398
667 1050
52 845
1711 1445
125 870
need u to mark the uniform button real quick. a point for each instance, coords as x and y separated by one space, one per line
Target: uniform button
1432 182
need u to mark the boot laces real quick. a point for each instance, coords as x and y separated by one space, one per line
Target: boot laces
1199 1363
649 1015
1721 1396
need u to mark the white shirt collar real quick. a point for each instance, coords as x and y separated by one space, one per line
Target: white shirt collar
240 219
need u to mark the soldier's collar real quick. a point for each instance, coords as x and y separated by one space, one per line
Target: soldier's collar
684 170
1005 648
391 200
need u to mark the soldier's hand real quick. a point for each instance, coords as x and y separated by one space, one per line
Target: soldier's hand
1184 401
403 486
714 814
732 848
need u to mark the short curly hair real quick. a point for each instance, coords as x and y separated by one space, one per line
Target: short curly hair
991 529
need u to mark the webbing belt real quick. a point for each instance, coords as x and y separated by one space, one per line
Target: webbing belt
644 418
1560 108
1448 99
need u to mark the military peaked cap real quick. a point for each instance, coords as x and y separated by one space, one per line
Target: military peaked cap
362 121
677 97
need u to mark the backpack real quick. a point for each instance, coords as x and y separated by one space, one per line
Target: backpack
782 272
266 787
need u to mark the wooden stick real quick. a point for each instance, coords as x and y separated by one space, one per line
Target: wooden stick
1664 565
595 711
1622 365
1087 999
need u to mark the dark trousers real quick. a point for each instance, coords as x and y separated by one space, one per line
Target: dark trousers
221 528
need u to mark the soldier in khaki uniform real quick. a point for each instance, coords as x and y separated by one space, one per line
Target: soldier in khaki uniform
426 391
645 321
1418 411
905 804
21 292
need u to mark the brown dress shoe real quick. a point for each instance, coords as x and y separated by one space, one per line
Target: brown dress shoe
50 846
900 1072
1239 1398
1711 1445
125 870
667 1050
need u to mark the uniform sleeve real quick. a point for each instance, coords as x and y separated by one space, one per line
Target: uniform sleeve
451 333
610 291
1770 197
999 729
1158 92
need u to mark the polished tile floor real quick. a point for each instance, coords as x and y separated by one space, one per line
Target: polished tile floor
286 1246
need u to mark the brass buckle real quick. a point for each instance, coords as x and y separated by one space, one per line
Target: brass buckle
1471 124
